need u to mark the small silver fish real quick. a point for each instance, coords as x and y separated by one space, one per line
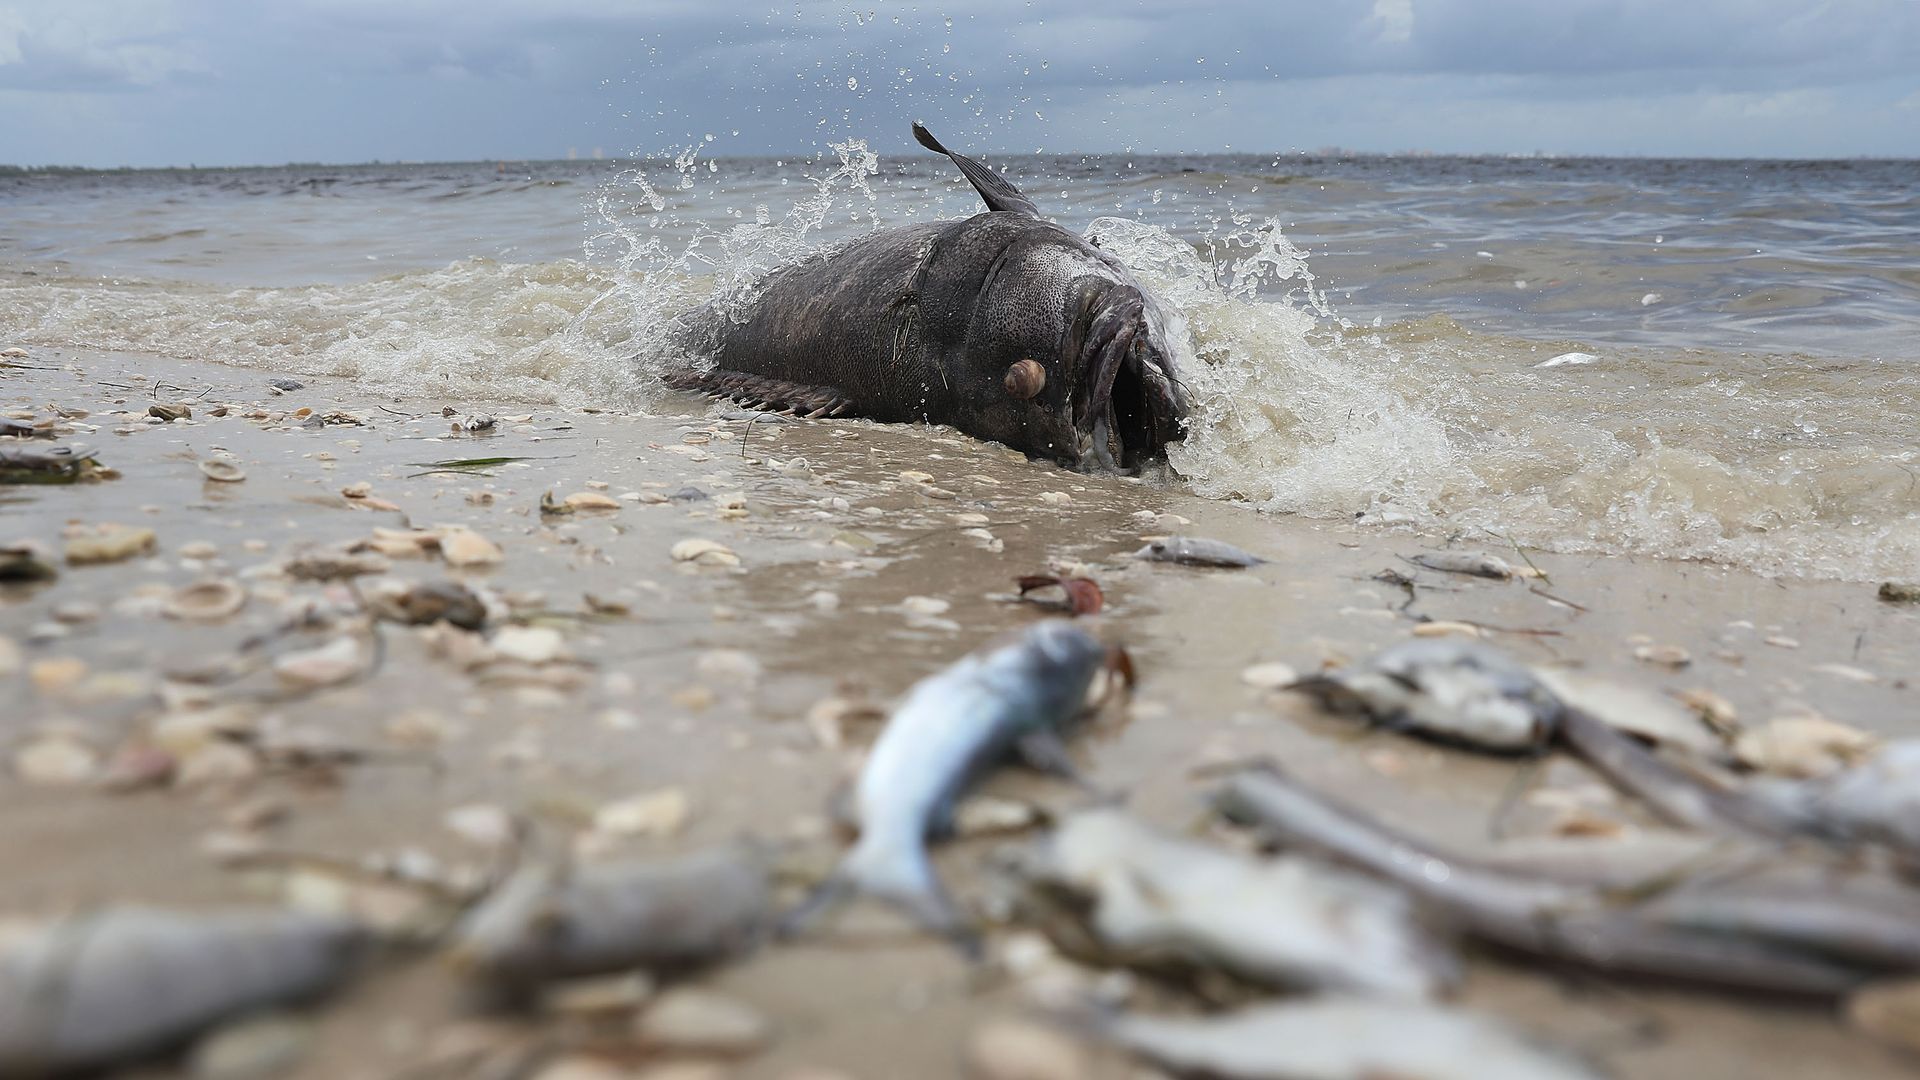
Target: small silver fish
1197 551
1456 691
1876 801
1290 921
1336 1038
953 726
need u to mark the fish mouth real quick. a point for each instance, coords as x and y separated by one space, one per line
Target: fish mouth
1126 406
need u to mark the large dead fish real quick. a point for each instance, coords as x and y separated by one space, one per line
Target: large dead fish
1290 921
94 991
1004 325
955 724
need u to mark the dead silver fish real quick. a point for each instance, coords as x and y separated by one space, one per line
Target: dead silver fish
1451 690
548 922
1576 922
1469 563
1016 698
99 990
1876 801
1339 1038
1197 551
1287 922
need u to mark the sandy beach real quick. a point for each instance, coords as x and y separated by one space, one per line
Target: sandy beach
689 692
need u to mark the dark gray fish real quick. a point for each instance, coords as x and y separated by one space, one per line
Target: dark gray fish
1454 691
100 990
549 922
954 725
1197 551
1004 325
1737 938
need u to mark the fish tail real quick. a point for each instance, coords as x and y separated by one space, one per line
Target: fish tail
903 878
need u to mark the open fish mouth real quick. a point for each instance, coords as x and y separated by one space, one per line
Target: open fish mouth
1126 408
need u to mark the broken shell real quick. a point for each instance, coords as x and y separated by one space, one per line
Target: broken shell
1023 1050
591 500
483 825
332 564
335 662
464 547
170 413
988 815
1672 656
1025 378
703 552
1270 676
1802 746
109 543
1716 710
225 472
206 600
56 760
702 1021
657 813
529 644
1888 1011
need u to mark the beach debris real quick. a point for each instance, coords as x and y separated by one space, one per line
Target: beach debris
56 759
1900 592
551 507
1017 696
529 644
1010 1049
548 922
220 471
332 564
1197 551
465 548
591 500
107 543
1567 359
328 665
254 1048
691 1020
22 561
655 813
1743 938
94 991
170 412
1470 564
1802 746
1713 708
989 815
703 552
1080 595
1447 689
285 386
1272 675
830 717
1667 656
1339 1038
1888 1011
206 601
429 602
1150 899
474 423
59 465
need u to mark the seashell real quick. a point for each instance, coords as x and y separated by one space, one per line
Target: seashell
1802 746
657 813
591 500
109 543
464 547
206 600
335 662
1025 379
529 644
1269 676
170 413
56 760
225 472
1672 656
695 1021
703 552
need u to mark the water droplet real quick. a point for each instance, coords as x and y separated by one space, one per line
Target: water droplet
853 83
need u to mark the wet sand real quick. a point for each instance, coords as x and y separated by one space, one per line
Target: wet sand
705 683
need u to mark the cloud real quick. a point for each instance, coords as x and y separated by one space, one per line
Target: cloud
240 80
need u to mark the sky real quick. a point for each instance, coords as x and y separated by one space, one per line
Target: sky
228 82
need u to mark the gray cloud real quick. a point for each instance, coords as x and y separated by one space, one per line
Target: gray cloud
108 82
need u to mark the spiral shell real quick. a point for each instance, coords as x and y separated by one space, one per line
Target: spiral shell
1025 379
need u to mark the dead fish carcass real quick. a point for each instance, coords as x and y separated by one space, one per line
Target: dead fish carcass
549 922
1197 551
1018 697
57 466
1876 801
1289 921
1453 691
98 990
1469 563
1339 1038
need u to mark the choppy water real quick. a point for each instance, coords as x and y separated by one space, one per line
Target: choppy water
1383 337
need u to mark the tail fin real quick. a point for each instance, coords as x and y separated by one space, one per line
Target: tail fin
994 189
901 876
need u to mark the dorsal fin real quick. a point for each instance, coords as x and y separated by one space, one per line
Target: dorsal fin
994 189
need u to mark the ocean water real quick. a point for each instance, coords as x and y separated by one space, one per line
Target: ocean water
1686 359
